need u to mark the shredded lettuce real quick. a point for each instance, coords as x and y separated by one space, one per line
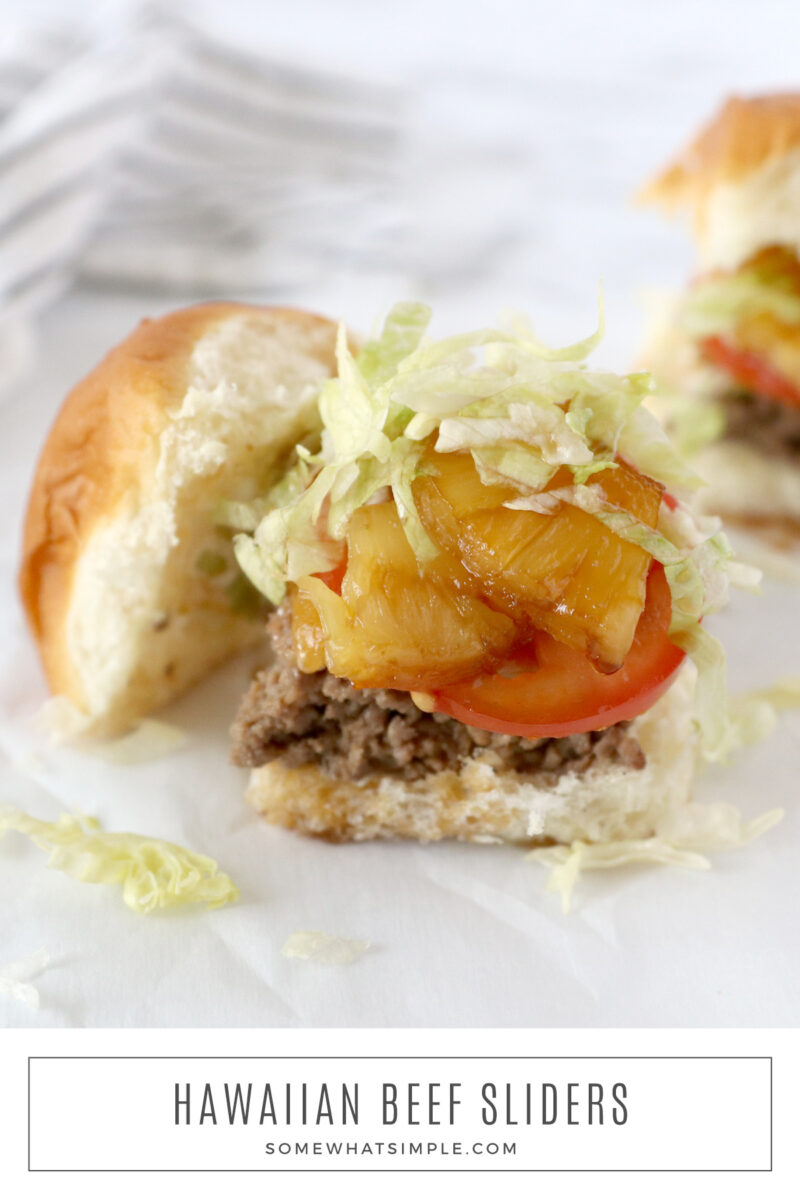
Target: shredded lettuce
15 977
782 695
694 421
718 735
751 717
582 474
684 831
247 514
682 837
326 948
405 470
522 409
266 570
153 874
515 465
241 514
402 333
614 417
718 304
567 863
544 428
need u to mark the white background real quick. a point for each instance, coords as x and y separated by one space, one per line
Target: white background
531 125
778 1185
154 1113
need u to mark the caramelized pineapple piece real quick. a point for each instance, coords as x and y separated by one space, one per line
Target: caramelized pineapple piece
563 572
395 626
773 340
307 636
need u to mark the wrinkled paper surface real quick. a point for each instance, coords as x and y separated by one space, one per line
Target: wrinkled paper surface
459 935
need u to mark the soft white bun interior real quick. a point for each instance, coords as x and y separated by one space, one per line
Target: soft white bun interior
143 623
762 209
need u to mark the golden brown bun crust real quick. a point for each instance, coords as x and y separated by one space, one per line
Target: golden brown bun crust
95 448
468 806
746 134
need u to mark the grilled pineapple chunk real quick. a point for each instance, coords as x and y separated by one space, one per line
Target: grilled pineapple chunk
563 572
308 639
772 340
395 624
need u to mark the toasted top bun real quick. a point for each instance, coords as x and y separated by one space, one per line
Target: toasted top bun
199 406
739 179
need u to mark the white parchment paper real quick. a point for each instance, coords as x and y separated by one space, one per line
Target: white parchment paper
459 935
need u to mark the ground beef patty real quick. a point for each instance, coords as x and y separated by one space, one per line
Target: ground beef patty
766 425
349 732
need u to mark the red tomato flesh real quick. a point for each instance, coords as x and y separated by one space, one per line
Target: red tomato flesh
333 578
558 692
751 371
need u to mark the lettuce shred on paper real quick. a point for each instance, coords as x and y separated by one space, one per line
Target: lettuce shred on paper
153 874
326 948
683 832
680 842
15 977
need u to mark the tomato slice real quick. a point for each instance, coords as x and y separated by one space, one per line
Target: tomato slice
558 692
333 578
751 371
